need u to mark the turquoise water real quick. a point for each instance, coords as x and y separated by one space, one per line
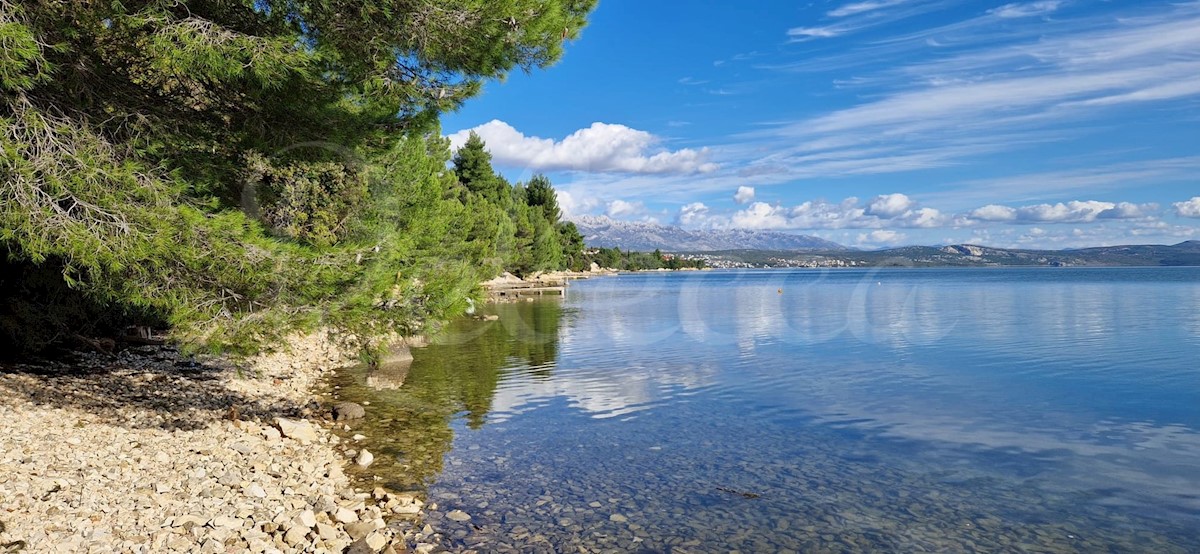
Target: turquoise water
1039 410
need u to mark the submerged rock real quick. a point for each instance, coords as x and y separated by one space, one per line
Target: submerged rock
345 411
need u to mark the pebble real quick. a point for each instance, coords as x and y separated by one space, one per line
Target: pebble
202 460
343 515
256 490
458 515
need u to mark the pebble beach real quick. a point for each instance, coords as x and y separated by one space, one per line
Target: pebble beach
150 450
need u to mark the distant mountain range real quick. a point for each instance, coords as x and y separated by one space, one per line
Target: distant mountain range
601 231
965 255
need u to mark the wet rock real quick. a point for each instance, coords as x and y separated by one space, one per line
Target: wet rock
364 458
345 411
458 515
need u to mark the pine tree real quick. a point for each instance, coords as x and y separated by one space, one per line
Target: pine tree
209 162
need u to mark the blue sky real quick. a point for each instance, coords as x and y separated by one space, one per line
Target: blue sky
1047 123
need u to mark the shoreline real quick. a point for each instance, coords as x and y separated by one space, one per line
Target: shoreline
149 450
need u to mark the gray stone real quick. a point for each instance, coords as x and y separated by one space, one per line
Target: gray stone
360 529
360 546
344 411
458 515
406 509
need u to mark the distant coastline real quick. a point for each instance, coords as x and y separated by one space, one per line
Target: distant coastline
965 255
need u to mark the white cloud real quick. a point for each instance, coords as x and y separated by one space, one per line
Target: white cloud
1008 87
925 218
1188 208
1028 9
861 7
898 211
1075 211
743 195
889 205
574 204
760 215
890 210
880 238
620 208
801 34
694 214
603 148
993 212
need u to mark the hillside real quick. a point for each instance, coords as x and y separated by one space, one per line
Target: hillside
600 231
963 255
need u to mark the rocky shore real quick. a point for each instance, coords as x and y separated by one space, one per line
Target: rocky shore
148 450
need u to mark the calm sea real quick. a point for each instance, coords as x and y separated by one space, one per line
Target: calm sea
1024 410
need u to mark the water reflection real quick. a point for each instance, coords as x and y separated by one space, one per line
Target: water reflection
413 402
902 410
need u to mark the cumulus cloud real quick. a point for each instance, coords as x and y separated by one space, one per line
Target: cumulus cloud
890 210
898 211
573 204
1075 211
694 214
882 237
760 215
743 195
619 208
993 212
602 148
1188 208
925 218
889 205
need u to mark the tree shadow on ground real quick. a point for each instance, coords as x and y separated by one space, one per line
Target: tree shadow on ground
141 387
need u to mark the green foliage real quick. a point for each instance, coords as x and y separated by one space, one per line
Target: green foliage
21 61
170 161
308 201
614 258
520 226
539 193
572 246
